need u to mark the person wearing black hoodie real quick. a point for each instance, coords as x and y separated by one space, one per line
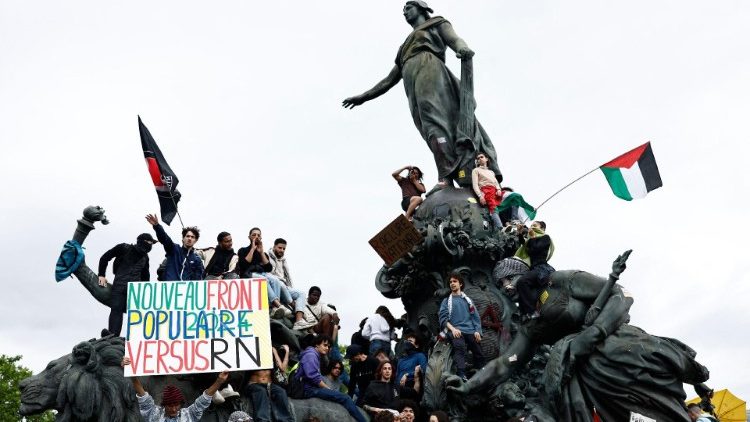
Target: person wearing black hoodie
221 261
131 264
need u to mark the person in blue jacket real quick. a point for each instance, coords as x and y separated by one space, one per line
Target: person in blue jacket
182 261
460 322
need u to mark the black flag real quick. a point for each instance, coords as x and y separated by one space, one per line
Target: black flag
165 181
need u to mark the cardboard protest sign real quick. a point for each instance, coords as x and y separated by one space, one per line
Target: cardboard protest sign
183 327
396 240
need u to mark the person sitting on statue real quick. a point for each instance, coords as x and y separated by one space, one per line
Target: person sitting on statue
381 394
280 269
361 371
412 189
333 376
172 401
220 261
253 262
183 263
461 325
410 367
598 359
131 264
313 381
487 187
317 317
379 330
535 252
270 402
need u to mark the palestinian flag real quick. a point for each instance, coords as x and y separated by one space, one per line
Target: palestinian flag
165 181
633 174
512 199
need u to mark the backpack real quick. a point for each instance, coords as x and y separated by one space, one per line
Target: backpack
295 388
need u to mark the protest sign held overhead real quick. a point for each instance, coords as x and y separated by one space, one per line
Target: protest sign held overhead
182 327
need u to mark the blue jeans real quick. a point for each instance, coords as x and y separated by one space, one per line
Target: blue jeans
376 345
297 296
276 289
270 403
336 397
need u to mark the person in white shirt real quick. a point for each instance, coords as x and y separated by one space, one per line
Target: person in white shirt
379 330
317 317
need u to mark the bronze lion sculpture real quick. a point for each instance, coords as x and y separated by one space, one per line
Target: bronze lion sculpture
87 384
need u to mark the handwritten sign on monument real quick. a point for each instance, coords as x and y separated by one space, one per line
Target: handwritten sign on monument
183 327
396 240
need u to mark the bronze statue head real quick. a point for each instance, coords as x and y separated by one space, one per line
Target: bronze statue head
414 10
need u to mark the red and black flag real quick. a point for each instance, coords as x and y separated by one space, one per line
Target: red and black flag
165 181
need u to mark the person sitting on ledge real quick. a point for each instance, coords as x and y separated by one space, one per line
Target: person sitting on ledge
535 252
280 269
410 367
220 261
253 262
317 318
172 401
313 381
182 261
412 189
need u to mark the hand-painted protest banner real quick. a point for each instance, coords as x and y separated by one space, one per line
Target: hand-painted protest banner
396 240
182 327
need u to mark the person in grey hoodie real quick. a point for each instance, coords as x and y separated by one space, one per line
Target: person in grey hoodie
280 269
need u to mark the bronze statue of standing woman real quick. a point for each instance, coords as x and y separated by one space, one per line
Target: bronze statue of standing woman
435 95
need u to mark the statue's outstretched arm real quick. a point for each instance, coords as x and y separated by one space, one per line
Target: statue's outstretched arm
501 368
379 89
455 42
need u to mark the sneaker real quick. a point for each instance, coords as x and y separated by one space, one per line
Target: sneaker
277 313
464 379
105 332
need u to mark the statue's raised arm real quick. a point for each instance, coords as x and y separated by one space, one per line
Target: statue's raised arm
434 95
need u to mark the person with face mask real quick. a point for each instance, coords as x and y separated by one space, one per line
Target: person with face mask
410 368
131 264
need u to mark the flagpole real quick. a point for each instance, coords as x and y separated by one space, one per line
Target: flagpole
565 187
177 210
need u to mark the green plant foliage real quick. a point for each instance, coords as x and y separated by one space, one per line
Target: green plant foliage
11 374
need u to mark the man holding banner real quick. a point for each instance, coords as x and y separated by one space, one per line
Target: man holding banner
172 400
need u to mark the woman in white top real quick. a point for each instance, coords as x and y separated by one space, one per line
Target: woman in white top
379 330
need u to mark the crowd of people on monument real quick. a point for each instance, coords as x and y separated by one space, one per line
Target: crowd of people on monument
385 384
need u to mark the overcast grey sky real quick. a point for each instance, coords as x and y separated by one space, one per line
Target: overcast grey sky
244 101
